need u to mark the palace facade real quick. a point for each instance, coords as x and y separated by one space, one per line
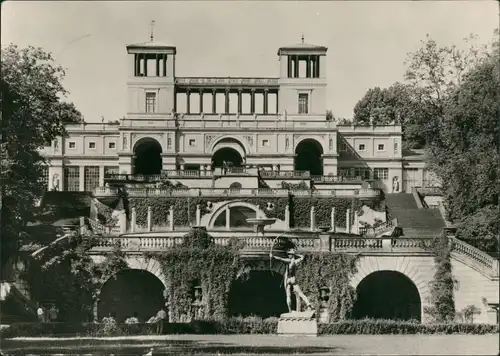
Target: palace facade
267 130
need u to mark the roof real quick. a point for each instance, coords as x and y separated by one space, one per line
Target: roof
152 46
303 47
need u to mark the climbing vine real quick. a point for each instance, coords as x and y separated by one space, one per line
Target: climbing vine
185 208
65 274
332 271
442 308
213 268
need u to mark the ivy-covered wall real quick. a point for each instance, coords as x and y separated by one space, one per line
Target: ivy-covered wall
185 208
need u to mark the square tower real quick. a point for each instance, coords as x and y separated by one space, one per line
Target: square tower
151 81
302 79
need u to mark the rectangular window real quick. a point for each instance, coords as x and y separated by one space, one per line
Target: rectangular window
364 173
192 142
110 170
303 103
92 145
91 178
361 147
396 148
45 178
72 144
150 102
72 178
265 143
380 147
343 146
381 173
112 145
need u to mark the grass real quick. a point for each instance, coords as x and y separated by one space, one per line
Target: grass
260 345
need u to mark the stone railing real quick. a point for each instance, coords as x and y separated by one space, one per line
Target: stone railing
429 191
245 192
336 179
251 244
284 174
383 227
479 259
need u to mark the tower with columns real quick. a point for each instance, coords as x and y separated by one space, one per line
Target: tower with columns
302 79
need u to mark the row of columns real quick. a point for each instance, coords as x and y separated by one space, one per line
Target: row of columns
312 66
160 60
228 219
226 104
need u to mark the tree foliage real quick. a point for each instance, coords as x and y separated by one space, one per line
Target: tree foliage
33 114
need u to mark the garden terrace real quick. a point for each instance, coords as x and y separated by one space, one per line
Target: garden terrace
254 246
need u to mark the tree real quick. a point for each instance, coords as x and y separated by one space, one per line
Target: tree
33 114
466 157
396 104
433 71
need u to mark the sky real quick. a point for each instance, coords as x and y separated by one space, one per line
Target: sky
367 40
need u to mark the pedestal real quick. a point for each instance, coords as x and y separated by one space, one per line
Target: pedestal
298 323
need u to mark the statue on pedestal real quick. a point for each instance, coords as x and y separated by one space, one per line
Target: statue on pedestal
290 283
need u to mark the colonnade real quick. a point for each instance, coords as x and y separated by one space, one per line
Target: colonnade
227 92
312 66
160 61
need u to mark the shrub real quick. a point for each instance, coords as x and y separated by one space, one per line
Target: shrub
442 308
249 325
376 327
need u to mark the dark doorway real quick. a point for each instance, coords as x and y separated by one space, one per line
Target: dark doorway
260 293
308 157
228 154
129 292
147 157
387 295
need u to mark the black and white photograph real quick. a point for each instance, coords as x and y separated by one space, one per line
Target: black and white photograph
250 178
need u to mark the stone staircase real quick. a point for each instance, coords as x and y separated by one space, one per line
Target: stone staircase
414 221
15 306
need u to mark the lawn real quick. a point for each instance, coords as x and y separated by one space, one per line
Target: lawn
260 345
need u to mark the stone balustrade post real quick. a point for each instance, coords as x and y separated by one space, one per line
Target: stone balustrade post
82 224
348 221
324 239
133 220
150 218
122 221
386 243
332 219
313 219
287 217
198 215
171 218
228 219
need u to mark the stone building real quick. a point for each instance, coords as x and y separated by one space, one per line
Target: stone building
185 128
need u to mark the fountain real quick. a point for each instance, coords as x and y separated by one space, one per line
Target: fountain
260 224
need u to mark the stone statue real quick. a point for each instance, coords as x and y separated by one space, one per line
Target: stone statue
395 185
124 142
291 286
56 145
55 182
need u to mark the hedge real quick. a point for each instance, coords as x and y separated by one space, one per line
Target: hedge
185 208
245 326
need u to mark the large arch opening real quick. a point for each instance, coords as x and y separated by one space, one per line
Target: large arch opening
259 293
238 216
387 295
147 157
228 154
131 292
308 157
